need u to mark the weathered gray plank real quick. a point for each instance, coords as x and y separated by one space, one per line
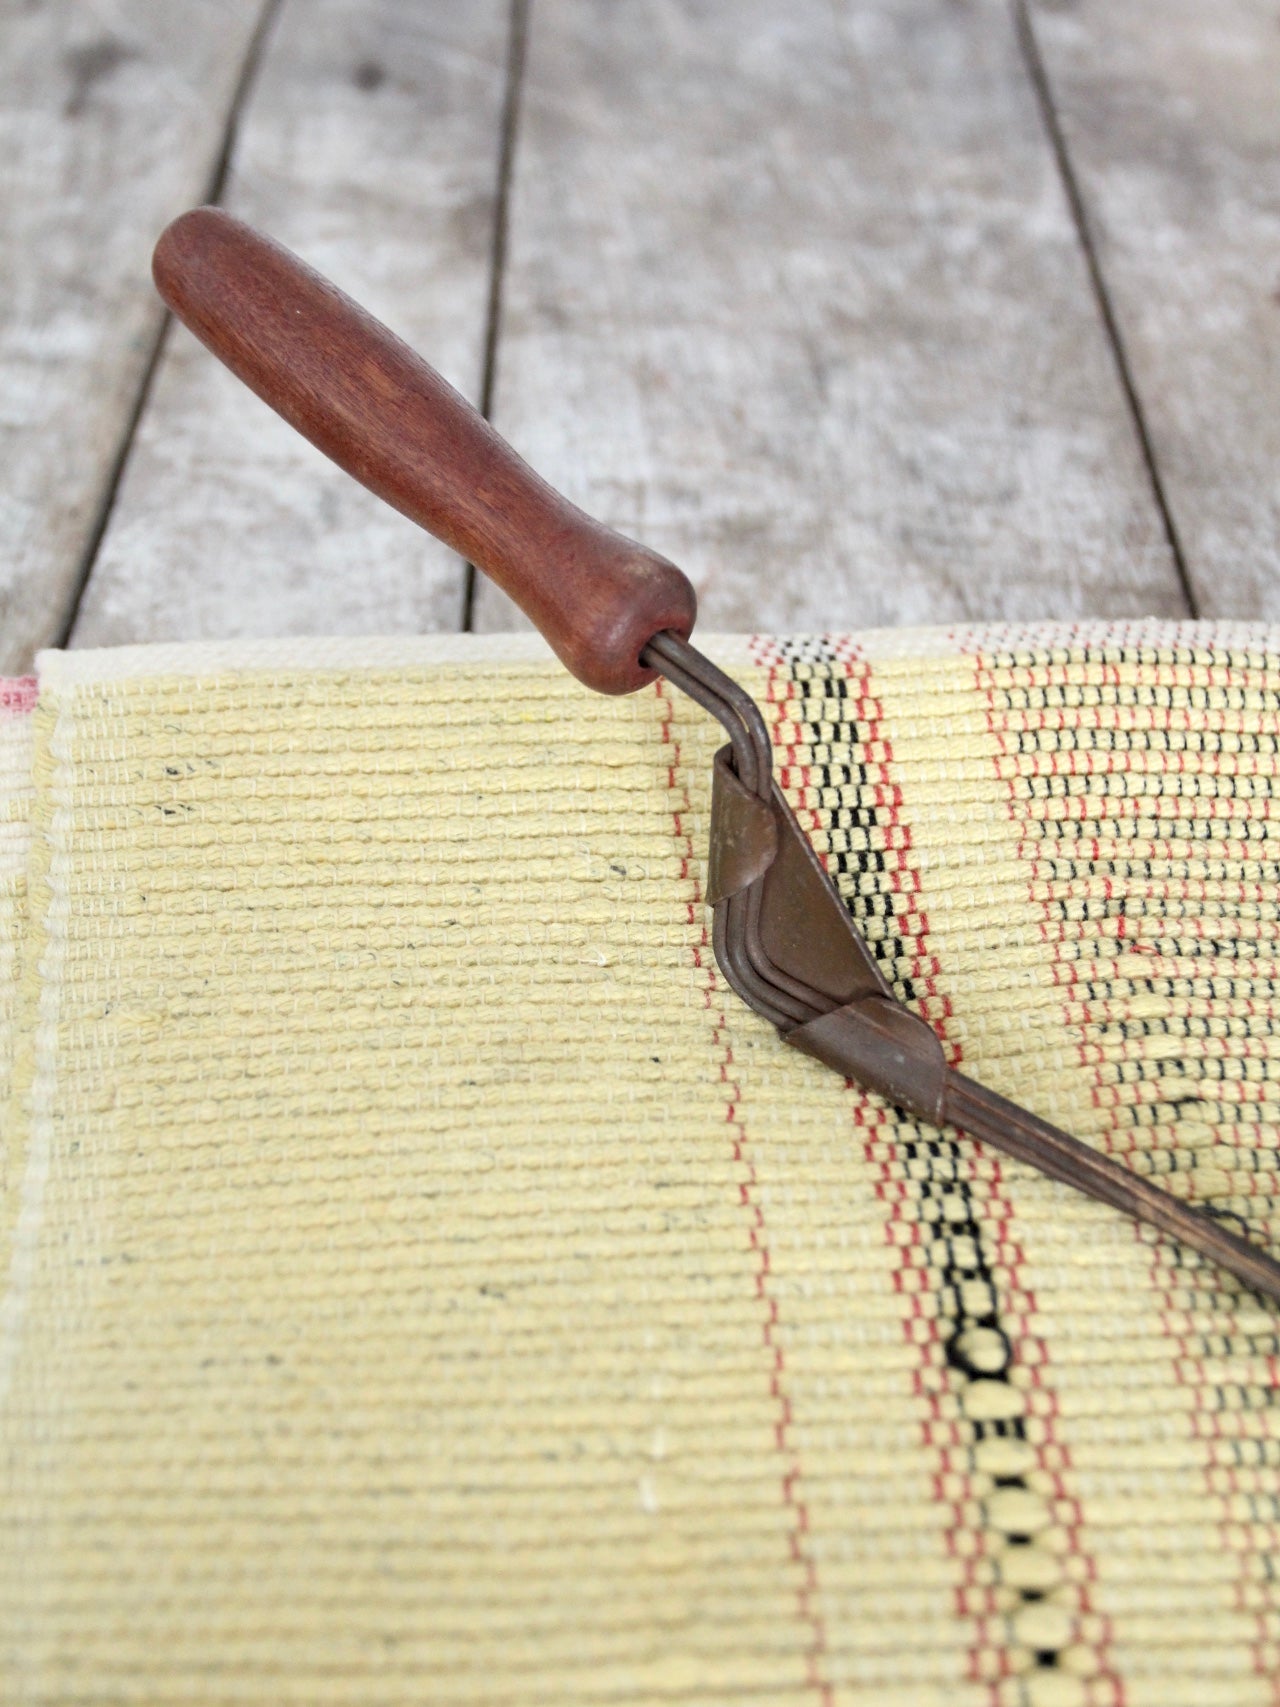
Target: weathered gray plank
794 295
111 120
1171 118
369 144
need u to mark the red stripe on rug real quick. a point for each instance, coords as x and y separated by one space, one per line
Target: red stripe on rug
749 1197
18 695
1257 1593
974 1544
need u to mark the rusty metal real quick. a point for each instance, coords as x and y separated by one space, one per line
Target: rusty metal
789 949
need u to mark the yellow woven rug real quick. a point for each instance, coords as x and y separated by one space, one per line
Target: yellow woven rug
424 1282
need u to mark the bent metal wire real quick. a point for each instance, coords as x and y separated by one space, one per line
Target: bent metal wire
787 946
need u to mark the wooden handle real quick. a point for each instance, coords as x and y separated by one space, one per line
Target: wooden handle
366 400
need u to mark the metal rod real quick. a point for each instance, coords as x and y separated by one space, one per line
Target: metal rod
729 941
719 694
1004 1125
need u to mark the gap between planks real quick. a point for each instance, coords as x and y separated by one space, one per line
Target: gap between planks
110 121
1170 121
824 334
369 146
1075 200
516 55
212 193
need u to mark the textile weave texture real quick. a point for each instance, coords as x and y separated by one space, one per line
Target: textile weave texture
424 1281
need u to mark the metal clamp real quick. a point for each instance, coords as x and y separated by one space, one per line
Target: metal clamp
787 946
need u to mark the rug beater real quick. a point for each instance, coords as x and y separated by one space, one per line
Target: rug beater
618 615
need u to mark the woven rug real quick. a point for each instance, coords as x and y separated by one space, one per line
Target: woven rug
424 1282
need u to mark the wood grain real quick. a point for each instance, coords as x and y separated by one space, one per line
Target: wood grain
370 145
385 416
794 295
1171 118
111 120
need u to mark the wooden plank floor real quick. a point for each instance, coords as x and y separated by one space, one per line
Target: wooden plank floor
877 312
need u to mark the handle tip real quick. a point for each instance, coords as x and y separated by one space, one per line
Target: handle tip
181 243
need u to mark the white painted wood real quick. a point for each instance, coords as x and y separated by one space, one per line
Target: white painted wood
1171 116
795 296
369 144
111 120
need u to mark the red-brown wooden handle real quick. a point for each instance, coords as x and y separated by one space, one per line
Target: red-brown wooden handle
366 400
